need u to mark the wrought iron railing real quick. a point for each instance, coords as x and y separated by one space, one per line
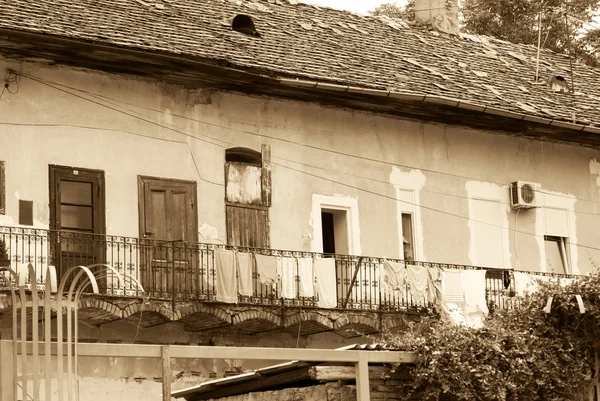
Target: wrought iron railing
179 271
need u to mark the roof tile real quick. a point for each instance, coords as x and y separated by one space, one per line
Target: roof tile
326 45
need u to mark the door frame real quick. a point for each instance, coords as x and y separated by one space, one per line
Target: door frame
142 179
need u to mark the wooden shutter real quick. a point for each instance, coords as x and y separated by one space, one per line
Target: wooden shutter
486 232
247 227
557 222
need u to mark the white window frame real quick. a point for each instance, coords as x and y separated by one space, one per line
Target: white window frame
413 208
336 202
555 200
486 191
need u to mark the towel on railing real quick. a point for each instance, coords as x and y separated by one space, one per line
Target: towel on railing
326 283
267 268
288 277
244 269
474 290
395 275
528 283
417 282
307 278
452 286
226 280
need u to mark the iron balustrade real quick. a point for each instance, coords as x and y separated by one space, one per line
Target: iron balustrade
180 271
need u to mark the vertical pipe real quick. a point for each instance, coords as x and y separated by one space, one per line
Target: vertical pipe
76 350
69 349
24 366
34 334
59 343
47 337
15 309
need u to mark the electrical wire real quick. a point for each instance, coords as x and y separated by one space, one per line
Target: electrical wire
209 139
317 176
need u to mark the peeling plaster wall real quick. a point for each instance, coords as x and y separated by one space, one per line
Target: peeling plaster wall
43 126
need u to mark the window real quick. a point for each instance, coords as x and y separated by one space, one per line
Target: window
335 231
489 208
557 240
408 217
248 196
335 225
486 232
557 255
408 241
2 189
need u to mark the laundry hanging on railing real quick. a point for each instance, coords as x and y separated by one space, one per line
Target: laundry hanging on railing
417 283
474 290
287 266
394 275
464 296
306 277
528 283
326 283
434 287
244 269
226 280
452 287
267 268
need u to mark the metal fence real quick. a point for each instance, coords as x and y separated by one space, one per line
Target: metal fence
187 271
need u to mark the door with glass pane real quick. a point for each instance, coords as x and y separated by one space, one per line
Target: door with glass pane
77 216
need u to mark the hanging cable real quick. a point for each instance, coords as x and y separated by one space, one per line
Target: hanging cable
210 140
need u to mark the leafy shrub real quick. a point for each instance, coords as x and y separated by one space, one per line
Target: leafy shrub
520 354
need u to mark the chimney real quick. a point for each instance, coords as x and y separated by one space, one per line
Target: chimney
440 14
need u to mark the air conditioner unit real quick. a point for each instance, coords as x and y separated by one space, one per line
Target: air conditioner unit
523 195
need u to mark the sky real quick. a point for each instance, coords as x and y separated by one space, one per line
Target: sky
357 6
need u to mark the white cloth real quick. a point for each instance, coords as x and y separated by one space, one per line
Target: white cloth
417 282
307 277
289 289
326 283
226 281
394 275
267 268
526 283
452 286
464 296
244 269
434 286
474 290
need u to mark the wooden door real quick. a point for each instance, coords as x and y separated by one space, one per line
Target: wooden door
77 214
247 226
168 223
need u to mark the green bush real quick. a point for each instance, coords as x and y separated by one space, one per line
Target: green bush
520 354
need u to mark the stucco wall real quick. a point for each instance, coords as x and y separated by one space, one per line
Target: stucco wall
129 127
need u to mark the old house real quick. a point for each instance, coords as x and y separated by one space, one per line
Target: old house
155 136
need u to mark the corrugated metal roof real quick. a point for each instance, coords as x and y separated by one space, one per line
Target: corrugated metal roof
269 371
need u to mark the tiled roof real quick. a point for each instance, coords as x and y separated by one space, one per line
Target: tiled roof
322 44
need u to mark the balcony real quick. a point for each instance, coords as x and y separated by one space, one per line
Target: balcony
180 273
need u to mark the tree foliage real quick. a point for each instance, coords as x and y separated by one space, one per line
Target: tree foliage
564 26
520 354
